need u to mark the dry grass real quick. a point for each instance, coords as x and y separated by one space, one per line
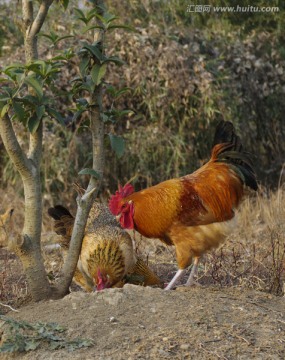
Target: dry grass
253 257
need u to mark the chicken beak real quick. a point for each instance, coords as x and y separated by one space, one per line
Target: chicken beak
118 217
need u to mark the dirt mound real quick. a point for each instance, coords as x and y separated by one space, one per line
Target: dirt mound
147 323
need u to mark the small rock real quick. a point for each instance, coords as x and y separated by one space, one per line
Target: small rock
112 298
112 319
165 339
163 353
184 346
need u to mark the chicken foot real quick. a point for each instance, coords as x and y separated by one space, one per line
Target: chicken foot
180 272
193 273
176 277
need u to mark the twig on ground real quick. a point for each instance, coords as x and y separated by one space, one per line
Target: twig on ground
10 307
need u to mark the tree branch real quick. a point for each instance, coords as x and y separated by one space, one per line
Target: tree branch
97 127
33 26
13 147
36 145
27 9
86 201
40 18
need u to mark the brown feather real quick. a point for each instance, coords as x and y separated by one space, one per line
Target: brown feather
105 247
144 275
156 208
195 212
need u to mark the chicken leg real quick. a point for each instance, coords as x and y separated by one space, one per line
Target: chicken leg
180 273
176 277
190 281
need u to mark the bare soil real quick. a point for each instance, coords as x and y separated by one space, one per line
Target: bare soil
231 316
148 323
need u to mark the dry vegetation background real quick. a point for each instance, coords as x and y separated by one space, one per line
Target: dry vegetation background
185 74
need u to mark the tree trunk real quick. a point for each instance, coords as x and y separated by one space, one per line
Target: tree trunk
28 246
30 249
85 203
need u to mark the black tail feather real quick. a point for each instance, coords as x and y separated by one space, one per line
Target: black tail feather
234 154
58 211
225 133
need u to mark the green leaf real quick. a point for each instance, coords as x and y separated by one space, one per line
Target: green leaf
56 115
117 144
92 13
4 79
65 3
94 50
4 98
97 73
66 55
120 113
13 66
90 172
42 63
19 111
126 27
14 73
36 85
35 67
8 91
79 12
115 59
33 123
87 86
63 37
122 91
81 15
83 65
19 77
4 110
40 110
91 27
111 90
32 345
77 114
29 100
82 102
50 37
107 17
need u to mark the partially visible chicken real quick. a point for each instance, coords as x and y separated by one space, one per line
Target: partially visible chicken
5 226
107 256
195 212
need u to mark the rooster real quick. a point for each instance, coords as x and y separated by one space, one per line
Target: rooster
196 212
107 257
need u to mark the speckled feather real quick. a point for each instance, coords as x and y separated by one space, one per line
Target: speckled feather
105 246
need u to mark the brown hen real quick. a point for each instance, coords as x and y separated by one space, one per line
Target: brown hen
107 257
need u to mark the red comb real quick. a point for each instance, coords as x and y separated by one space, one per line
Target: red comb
101 285
127 190
114 203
